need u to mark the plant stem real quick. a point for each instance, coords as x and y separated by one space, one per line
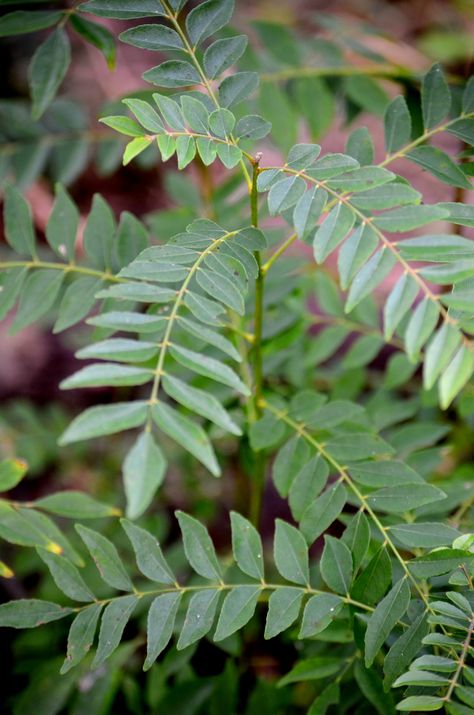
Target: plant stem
257 483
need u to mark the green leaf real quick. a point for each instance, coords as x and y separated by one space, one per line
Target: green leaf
38 295
75 505
462 214
238 608
66 576
222 54
143 472
279 41
252 126
96 35
318 614
222 289
237 87
161 618
336 565
399 499
291 553
387 613
246 546
289 461
311 669
99 233
463 129
420 326
77 302
360 145
124 125
319 515
11 283
108 373
334 229
370 276
283 609
437 662
468 97
221 122
308 209
172 73
368 680
150 559
186 433
456 376
18 221
211 337
201 402
407 218
309 482
207 18
386 196
132 238
106 558
305 89
405 648
285 193
30 613
439 164
385 473
362 351
440 562
152 37
196 114
209 367
81 636
122 349
28 527
367 93
145 113
62 224
362 179
331 695
354 253
374 581
397 122
12 472
424 534
198 547
105 419
420 703
134 148
229 155
114 619
123 9
139 292
48 69
20 22
357 538
435 97
439 353
170 111
398 303
357 447
199 617
332 165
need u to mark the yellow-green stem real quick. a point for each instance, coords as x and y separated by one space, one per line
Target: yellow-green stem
257 484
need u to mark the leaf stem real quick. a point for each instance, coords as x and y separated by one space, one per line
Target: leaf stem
65 267
262 585
257 483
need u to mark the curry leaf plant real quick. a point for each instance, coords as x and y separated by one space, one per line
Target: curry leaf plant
209 338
